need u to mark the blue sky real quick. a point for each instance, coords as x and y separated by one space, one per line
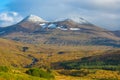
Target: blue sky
104 13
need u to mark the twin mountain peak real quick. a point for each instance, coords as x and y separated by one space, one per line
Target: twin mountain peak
34 18
65 31
33 23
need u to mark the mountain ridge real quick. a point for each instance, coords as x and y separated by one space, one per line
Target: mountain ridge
66 32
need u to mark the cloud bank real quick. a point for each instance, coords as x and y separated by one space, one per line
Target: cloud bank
9 18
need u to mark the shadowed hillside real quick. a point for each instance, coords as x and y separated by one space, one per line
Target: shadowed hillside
108 60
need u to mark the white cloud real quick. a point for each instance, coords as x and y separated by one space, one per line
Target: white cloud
9 18
15 13
5 17
107 4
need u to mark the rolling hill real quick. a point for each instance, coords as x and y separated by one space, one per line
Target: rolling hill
109 60
12 53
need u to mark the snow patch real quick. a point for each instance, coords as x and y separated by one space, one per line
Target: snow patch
52 26
33 18
42 24
62 28
74 29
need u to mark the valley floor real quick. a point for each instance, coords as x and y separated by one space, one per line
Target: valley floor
20 61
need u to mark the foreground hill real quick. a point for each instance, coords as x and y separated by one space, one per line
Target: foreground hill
66 32
23 61
12 54
19 54
109 60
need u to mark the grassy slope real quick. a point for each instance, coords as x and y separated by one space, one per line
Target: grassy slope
11 54
108 60
19 74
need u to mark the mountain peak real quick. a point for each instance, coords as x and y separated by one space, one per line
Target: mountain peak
34 18
75 19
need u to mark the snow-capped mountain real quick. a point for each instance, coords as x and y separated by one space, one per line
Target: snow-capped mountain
34 22
33 18
76 19
59 24
70 31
